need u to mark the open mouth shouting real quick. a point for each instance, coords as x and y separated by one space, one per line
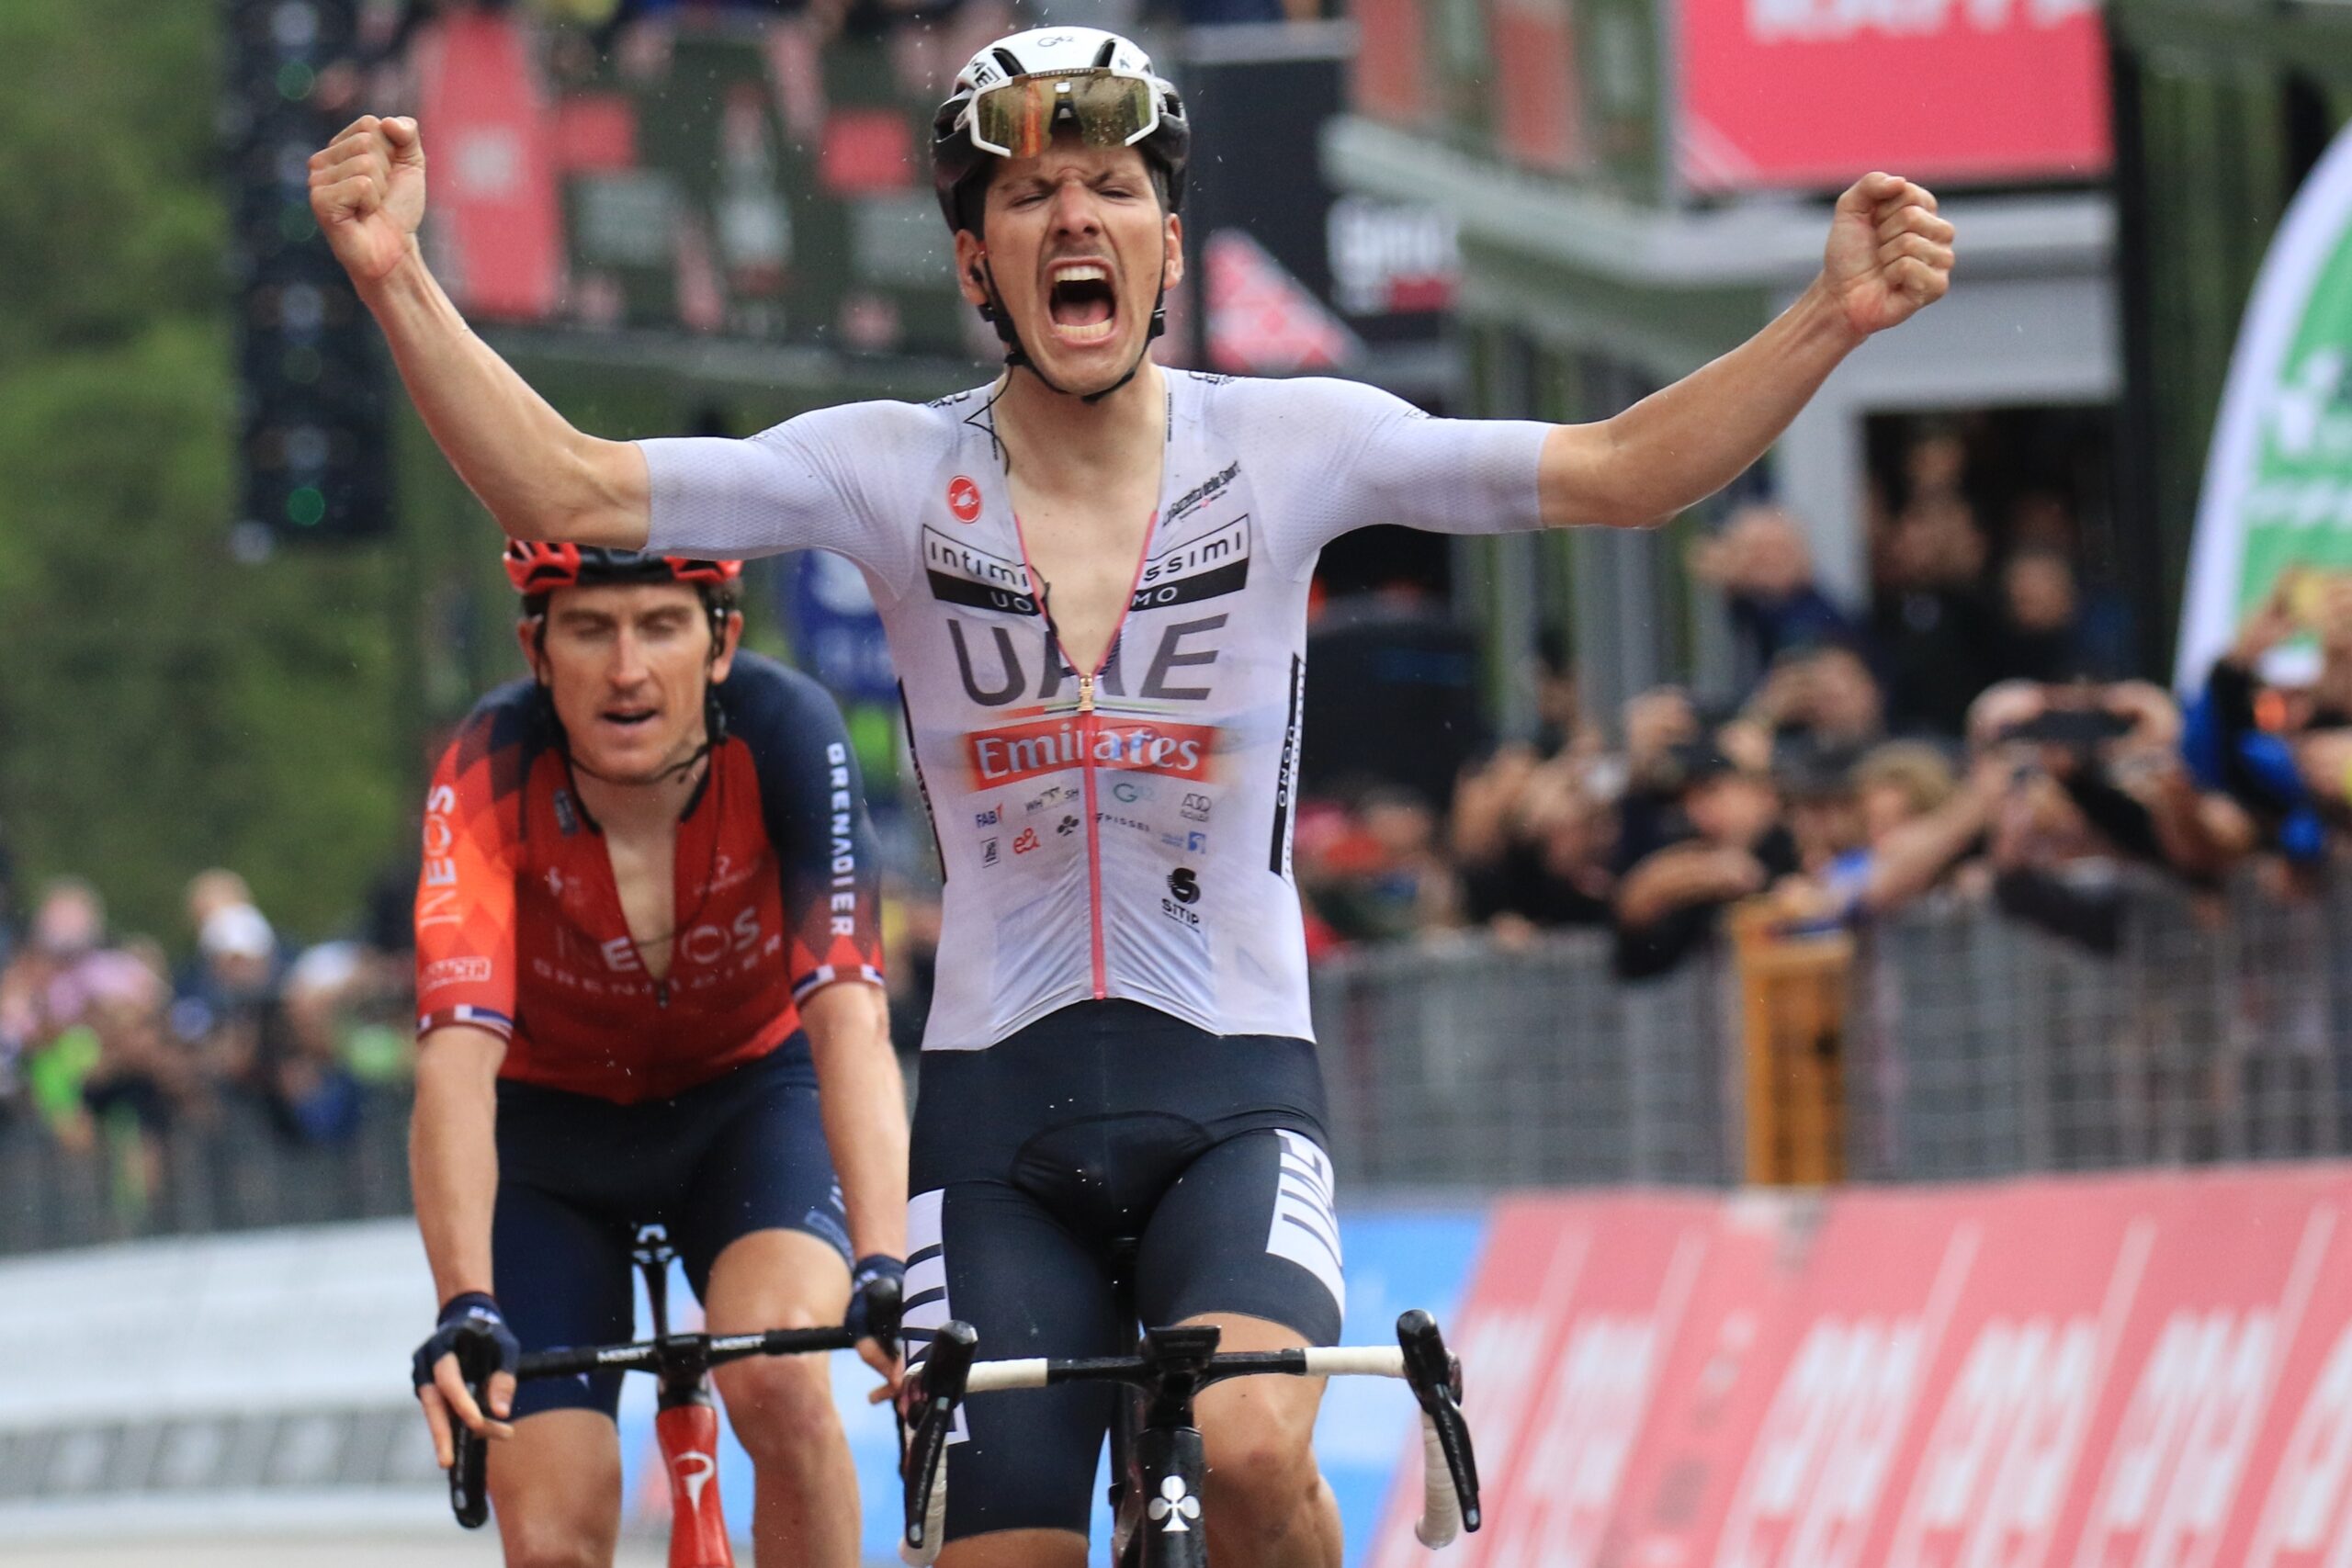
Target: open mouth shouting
1082 302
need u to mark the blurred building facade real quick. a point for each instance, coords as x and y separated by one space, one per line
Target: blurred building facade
1638 188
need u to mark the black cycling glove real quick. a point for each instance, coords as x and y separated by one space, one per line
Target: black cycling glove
873 1312
470 1312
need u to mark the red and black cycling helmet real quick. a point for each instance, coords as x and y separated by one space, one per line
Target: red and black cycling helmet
537 567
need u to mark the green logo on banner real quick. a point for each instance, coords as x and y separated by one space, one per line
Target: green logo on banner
2299 508
2279 480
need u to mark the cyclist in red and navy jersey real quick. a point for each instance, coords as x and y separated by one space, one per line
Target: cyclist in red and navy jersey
646 934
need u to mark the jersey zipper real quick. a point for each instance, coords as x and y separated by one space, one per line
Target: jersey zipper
1087 722
1087 719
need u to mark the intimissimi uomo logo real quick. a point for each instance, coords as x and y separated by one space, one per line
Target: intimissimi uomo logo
1215 563
960 574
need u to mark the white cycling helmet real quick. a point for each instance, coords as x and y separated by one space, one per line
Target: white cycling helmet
1012 96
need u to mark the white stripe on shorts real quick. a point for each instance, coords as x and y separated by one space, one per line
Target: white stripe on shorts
924 1232
1304 1228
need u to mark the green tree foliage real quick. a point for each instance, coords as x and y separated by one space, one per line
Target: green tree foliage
164 707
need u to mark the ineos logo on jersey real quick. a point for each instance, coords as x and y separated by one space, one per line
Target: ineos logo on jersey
963 498
436 898
704 944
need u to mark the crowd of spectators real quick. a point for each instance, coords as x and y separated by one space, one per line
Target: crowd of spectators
106 1045
1965 736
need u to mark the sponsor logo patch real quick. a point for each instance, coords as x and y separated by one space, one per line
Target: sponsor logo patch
1026 842
456 972
1215 564
1208 490
960 574
1026 750
963 498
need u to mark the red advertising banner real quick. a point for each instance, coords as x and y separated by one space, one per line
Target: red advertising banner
1391 60
496 227
2122 1372
1536 88
1779 94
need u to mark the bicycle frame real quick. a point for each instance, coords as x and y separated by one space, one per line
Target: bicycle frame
685 1420
1159 1497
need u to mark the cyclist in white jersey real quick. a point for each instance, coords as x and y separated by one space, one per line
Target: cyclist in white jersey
1095 577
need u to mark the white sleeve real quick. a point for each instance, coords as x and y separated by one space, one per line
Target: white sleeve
1342 455
798 486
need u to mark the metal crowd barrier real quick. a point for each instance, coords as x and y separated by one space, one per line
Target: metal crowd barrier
1970 1046
234 1168
1967 1046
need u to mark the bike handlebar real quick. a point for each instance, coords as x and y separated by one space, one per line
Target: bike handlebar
712 1349
691 1353
1449 1468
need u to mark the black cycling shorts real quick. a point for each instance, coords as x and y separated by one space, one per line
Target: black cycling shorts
577 1175
1107 1138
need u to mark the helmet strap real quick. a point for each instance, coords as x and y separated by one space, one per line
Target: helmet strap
1017 357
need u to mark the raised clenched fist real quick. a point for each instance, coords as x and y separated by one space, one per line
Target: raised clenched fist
1890 254
367 193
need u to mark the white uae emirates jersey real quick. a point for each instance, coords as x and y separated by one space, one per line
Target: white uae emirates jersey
1121 833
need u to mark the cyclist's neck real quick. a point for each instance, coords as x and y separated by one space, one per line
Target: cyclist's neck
633 807
1055 440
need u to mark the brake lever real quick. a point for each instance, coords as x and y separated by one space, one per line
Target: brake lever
469 1454
1434 1374
944 1370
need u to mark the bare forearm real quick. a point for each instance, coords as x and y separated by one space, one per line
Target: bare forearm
1680 444
864 1103
538 476
453 1156
1916 854
1669 880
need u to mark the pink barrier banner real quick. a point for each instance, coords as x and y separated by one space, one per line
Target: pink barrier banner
1815 93
2142 1372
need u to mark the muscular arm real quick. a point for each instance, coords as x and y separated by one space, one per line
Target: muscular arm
864 1103
1681 875
1889 255
1680 446
540 477
1914 856
453 1154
